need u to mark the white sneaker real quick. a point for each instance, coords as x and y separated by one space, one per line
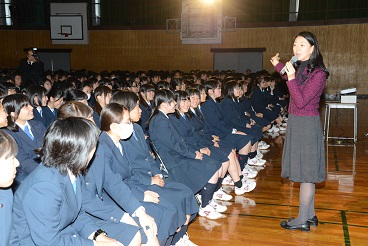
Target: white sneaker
275 129
221 195
263 145
259 154
249 173
228 180
256 162
218 207
187 240
209 212
247 186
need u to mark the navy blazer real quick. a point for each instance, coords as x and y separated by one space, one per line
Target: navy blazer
104 181
171 146
46 211
145 167
259 99
6 222
38 117
214 118
48 115
232 114
145 115
28 159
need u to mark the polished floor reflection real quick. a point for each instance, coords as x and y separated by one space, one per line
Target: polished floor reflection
341 201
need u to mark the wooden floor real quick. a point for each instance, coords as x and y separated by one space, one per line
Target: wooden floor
341 201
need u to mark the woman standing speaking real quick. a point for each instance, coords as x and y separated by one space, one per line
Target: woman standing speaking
303 155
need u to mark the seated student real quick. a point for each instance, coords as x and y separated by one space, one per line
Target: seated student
8 165
146 95
80 96
47 206
228 159
245 106
102 98
146 175
116 185
8 87
260 103
46 83
277 96
214 117
234 118
184 164
87 88
105 210
55 100
38 99
27 133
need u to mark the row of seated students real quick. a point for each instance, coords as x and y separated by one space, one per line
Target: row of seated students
123 190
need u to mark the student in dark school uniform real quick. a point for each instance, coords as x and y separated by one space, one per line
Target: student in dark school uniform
198 124
183 124
8 169
28 134
146 174
47 206
116 126
146 95
55 100
184 164
38 99
216 125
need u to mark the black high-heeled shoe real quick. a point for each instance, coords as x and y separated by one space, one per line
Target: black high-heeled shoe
312 221
303 227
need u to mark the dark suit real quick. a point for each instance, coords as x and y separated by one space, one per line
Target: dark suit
28 159
6 222
48 115
114 185
144 167
214 120
180 157
46 211
32 71
259 99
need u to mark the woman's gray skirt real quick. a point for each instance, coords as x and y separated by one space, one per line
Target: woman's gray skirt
303 158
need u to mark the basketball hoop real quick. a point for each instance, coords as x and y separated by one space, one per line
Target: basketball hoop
64 34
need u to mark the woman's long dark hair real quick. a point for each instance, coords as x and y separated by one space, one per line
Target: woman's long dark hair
316 58
162 96
144 89
126 98
229 89
179 95
14 103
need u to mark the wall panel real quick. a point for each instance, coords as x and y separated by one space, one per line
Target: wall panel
345 50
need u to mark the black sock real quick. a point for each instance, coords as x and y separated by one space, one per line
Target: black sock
243 159
179 234
219 184
241 177
207 193
252 154
238 183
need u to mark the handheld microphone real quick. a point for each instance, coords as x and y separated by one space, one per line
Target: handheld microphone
292 61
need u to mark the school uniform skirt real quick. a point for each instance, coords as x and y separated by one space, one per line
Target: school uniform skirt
303 158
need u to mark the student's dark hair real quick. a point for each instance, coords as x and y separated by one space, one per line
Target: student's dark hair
179 96
36 91
177 82
111 113
126 98
8 145
161 96
75 95
144 89
210 85
6 86
163 85
229 89
101 90
84 84
14 103
316 58
74 109
55 93
67 144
